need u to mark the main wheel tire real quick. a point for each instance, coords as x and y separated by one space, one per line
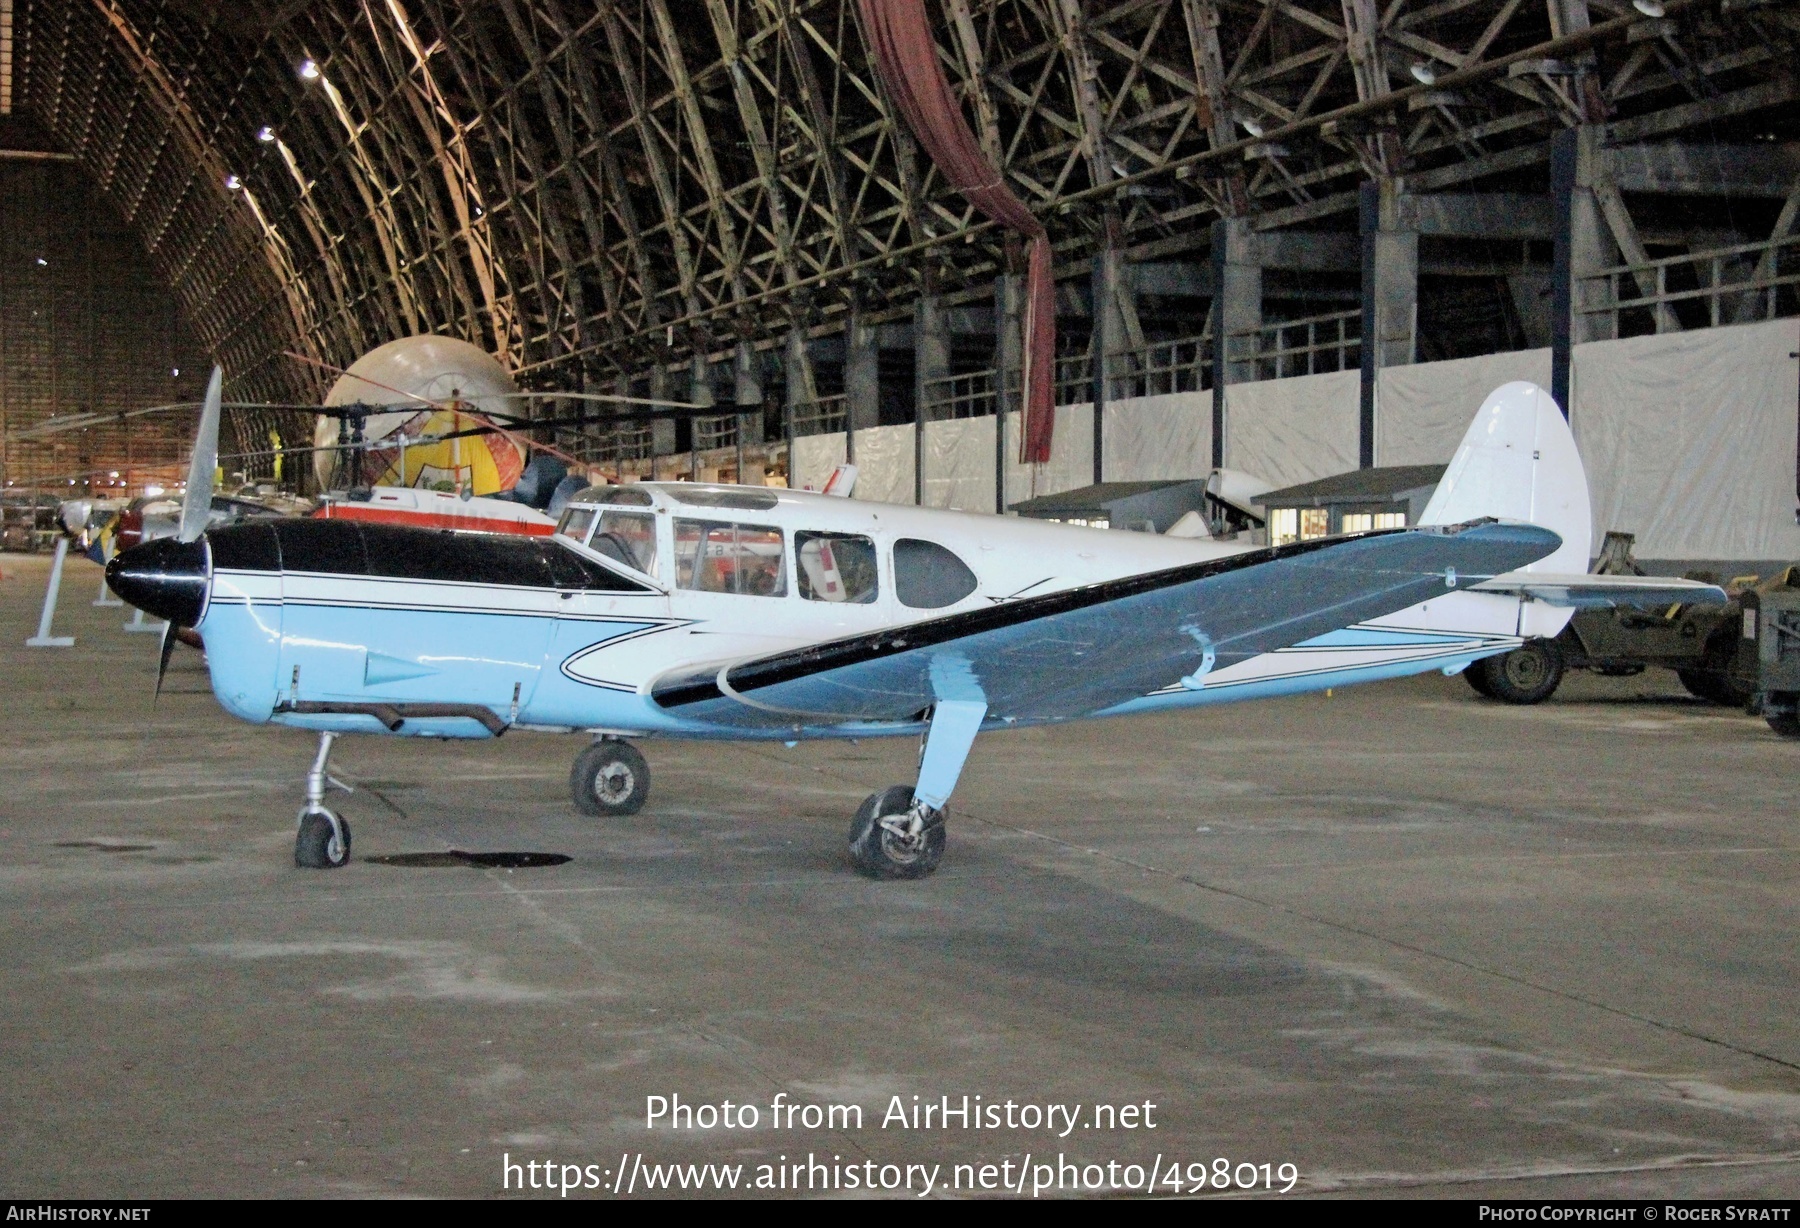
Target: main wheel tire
1702 684
878 853
1787 724
1529 674
1714 687
609 778
316 846
1476 676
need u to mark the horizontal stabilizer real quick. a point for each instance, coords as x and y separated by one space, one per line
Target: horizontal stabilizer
1581 591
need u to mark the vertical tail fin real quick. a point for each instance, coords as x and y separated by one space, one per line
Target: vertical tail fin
1518 462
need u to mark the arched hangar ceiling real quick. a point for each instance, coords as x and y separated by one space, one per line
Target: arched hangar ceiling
597 188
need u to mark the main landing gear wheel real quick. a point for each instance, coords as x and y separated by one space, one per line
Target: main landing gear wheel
1527 675
892 838
1782 711
323 842
609 778
1476 676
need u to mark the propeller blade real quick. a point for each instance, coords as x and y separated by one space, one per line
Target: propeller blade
162 663
198 503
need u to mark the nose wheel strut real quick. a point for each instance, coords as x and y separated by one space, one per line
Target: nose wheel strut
323 839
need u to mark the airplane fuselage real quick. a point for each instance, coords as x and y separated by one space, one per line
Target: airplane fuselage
337 625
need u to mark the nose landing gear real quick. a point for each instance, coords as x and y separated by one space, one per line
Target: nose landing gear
323 840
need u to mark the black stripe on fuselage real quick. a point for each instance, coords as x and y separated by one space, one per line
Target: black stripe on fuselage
401 552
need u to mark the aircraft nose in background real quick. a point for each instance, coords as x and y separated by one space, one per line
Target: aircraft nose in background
164 578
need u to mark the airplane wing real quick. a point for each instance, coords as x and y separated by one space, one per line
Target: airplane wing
1604 592
1085 650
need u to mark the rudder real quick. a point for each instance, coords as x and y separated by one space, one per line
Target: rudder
1518 461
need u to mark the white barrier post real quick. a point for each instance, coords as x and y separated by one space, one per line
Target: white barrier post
137 623
43 638
106 598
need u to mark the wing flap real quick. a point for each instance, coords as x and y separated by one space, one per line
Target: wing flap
1582 591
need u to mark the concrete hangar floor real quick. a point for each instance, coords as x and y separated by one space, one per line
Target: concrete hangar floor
1403 939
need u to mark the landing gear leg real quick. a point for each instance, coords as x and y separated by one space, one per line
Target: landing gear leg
899 832
323 841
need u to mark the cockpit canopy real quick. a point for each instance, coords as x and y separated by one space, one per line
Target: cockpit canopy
720 539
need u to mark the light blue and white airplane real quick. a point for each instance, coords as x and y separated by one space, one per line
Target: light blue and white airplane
675 610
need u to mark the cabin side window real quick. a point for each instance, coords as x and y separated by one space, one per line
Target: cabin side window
929 577
576 522
838 567
628 538
718 557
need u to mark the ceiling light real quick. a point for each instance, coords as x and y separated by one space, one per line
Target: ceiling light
1424 73
1649 8
309 71
265 134
233 183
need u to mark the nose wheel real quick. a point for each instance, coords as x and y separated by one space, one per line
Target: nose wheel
609 778
323 840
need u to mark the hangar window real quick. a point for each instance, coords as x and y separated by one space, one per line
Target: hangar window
1363 522
1291 524
836 567
929 577
715 557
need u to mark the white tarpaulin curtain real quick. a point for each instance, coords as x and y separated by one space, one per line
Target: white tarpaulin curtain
1288 431
1165 436
1422 411
959 464
1689 438
815 456
884 464
1689 441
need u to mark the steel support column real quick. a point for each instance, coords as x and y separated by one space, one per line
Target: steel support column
931 361
1237 308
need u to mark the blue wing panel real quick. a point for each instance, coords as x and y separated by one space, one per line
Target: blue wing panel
1082 651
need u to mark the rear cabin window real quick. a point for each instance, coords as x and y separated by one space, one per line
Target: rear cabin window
838 567
714 556
929 577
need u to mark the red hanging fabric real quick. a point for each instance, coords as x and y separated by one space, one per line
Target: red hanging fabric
907 59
